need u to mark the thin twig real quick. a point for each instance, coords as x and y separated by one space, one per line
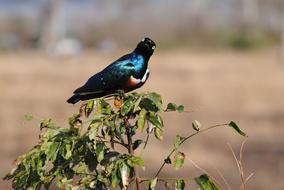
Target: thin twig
145 144
249 177
223 178
185 139
239 164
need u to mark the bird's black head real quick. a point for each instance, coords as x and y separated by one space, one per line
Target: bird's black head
146 47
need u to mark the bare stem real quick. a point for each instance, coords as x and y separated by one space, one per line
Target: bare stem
240 165
185 139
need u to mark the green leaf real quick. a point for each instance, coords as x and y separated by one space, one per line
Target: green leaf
46 123
152 102
114 178
137 104
137 143
137 160
180 184
110 157
81 168
100 151
156 98
196 125
93 130
102 178
127 106
152 184
179 160
51 150
90 161
180 108
174 107
141 119
68 151
73 121
205 183
178 141
89 108
28 117
40 163
21 182
236 128
103 107
155 120
171 107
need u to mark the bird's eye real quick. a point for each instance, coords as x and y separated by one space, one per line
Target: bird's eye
153 47
143 40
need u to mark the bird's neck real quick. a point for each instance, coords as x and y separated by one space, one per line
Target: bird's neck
140 64
145 55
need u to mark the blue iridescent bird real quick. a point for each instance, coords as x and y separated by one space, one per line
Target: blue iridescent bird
125 74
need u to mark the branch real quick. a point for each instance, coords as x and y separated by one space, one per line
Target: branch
185 139
112 141
131 152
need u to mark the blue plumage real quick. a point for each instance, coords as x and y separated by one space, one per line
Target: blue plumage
125 74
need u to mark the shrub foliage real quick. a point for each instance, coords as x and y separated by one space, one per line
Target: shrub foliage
98 149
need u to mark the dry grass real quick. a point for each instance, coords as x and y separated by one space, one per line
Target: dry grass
219 86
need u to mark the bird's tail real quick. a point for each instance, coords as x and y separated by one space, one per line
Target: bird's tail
74 99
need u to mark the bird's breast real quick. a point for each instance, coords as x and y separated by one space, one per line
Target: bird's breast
133 82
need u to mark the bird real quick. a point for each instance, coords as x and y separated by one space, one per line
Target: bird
126 74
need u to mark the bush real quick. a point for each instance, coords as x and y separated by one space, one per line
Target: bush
85 155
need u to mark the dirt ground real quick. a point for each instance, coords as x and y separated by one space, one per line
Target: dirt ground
219 86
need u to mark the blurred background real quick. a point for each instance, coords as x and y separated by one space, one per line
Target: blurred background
223 59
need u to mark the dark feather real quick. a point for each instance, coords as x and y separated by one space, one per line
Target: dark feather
115 77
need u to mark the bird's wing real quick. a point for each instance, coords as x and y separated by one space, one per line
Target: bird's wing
111 79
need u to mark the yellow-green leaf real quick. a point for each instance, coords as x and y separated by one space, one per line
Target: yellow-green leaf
152 184
127 106
158 133
178 141
100 151
68 151
89 107
180 184
141 119
179 160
